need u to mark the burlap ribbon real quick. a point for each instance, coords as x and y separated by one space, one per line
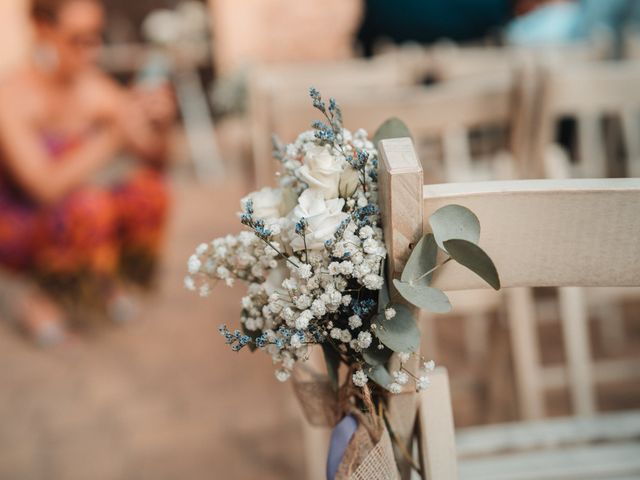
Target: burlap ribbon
369 455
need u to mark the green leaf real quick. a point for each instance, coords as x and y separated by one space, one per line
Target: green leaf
400 333
475 259
332 360
454 221
380 375
421 296
422 259
391 128
375 356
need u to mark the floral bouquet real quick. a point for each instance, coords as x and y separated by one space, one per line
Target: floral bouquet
313 257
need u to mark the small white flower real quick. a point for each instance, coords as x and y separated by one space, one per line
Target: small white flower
364 339
318 308
359 378
401 377
305 271
189 283
345 336
202 249
194 264
222 272
422 383
282 375
334 268
389 313
346 268
355 322
296 341
394 388
303 302
429 366
302 322
205 290
365 232
404 357
370 246
373 281
346 300
336 333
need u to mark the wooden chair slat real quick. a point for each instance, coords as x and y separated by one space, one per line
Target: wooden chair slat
548 232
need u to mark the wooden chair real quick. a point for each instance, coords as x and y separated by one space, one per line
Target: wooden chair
539 233
267 85
586 92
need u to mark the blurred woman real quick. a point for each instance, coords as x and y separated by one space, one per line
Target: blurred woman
62 121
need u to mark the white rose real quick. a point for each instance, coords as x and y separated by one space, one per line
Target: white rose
273 282
349 182
321 170
268 203
323 219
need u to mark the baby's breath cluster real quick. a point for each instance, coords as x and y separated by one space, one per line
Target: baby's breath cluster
312 255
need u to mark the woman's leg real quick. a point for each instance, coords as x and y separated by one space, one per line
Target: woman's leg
21 302
77 251
142 205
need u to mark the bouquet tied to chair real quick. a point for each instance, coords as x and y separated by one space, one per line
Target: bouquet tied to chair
313 257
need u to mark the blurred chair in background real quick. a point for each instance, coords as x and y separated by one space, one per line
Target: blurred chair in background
62 123
280 31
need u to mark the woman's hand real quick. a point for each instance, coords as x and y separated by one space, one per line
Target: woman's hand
145 117
157 103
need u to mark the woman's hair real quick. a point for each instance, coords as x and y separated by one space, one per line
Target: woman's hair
47 10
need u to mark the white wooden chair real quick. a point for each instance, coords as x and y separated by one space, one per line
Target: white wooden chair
586 92
446 112
539 233
267 85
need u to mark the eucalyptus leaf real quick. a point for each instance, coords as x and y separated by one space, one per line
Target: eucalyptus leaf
425 297
375 356
399 333
422 259
475 259
380 375
332 360
391 128
454 221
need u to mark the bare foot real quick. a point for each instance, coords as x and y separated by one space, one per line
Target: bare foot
42 320
121 308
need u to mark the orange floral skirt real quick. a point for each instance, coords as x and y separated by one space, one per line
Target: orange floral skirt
94 230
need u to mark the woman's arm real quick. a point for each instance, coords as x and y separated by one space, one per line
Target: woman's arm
31 166
145 116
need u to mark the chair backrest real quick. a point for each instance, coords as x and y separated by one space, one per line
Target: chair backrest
267 85
539 233
587 92
445 113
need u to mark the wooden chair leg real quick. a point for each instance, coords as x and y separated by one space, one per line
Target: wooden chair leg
573 313
524 345
438 458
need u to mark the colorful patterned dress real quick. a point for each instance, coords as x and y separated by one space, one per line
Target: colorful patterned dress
99 232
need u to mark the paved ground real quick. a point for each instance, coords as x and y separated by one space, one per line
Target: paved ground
163 398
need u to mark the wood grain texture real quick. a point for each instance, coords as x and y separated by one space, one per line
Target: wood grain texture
549 232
